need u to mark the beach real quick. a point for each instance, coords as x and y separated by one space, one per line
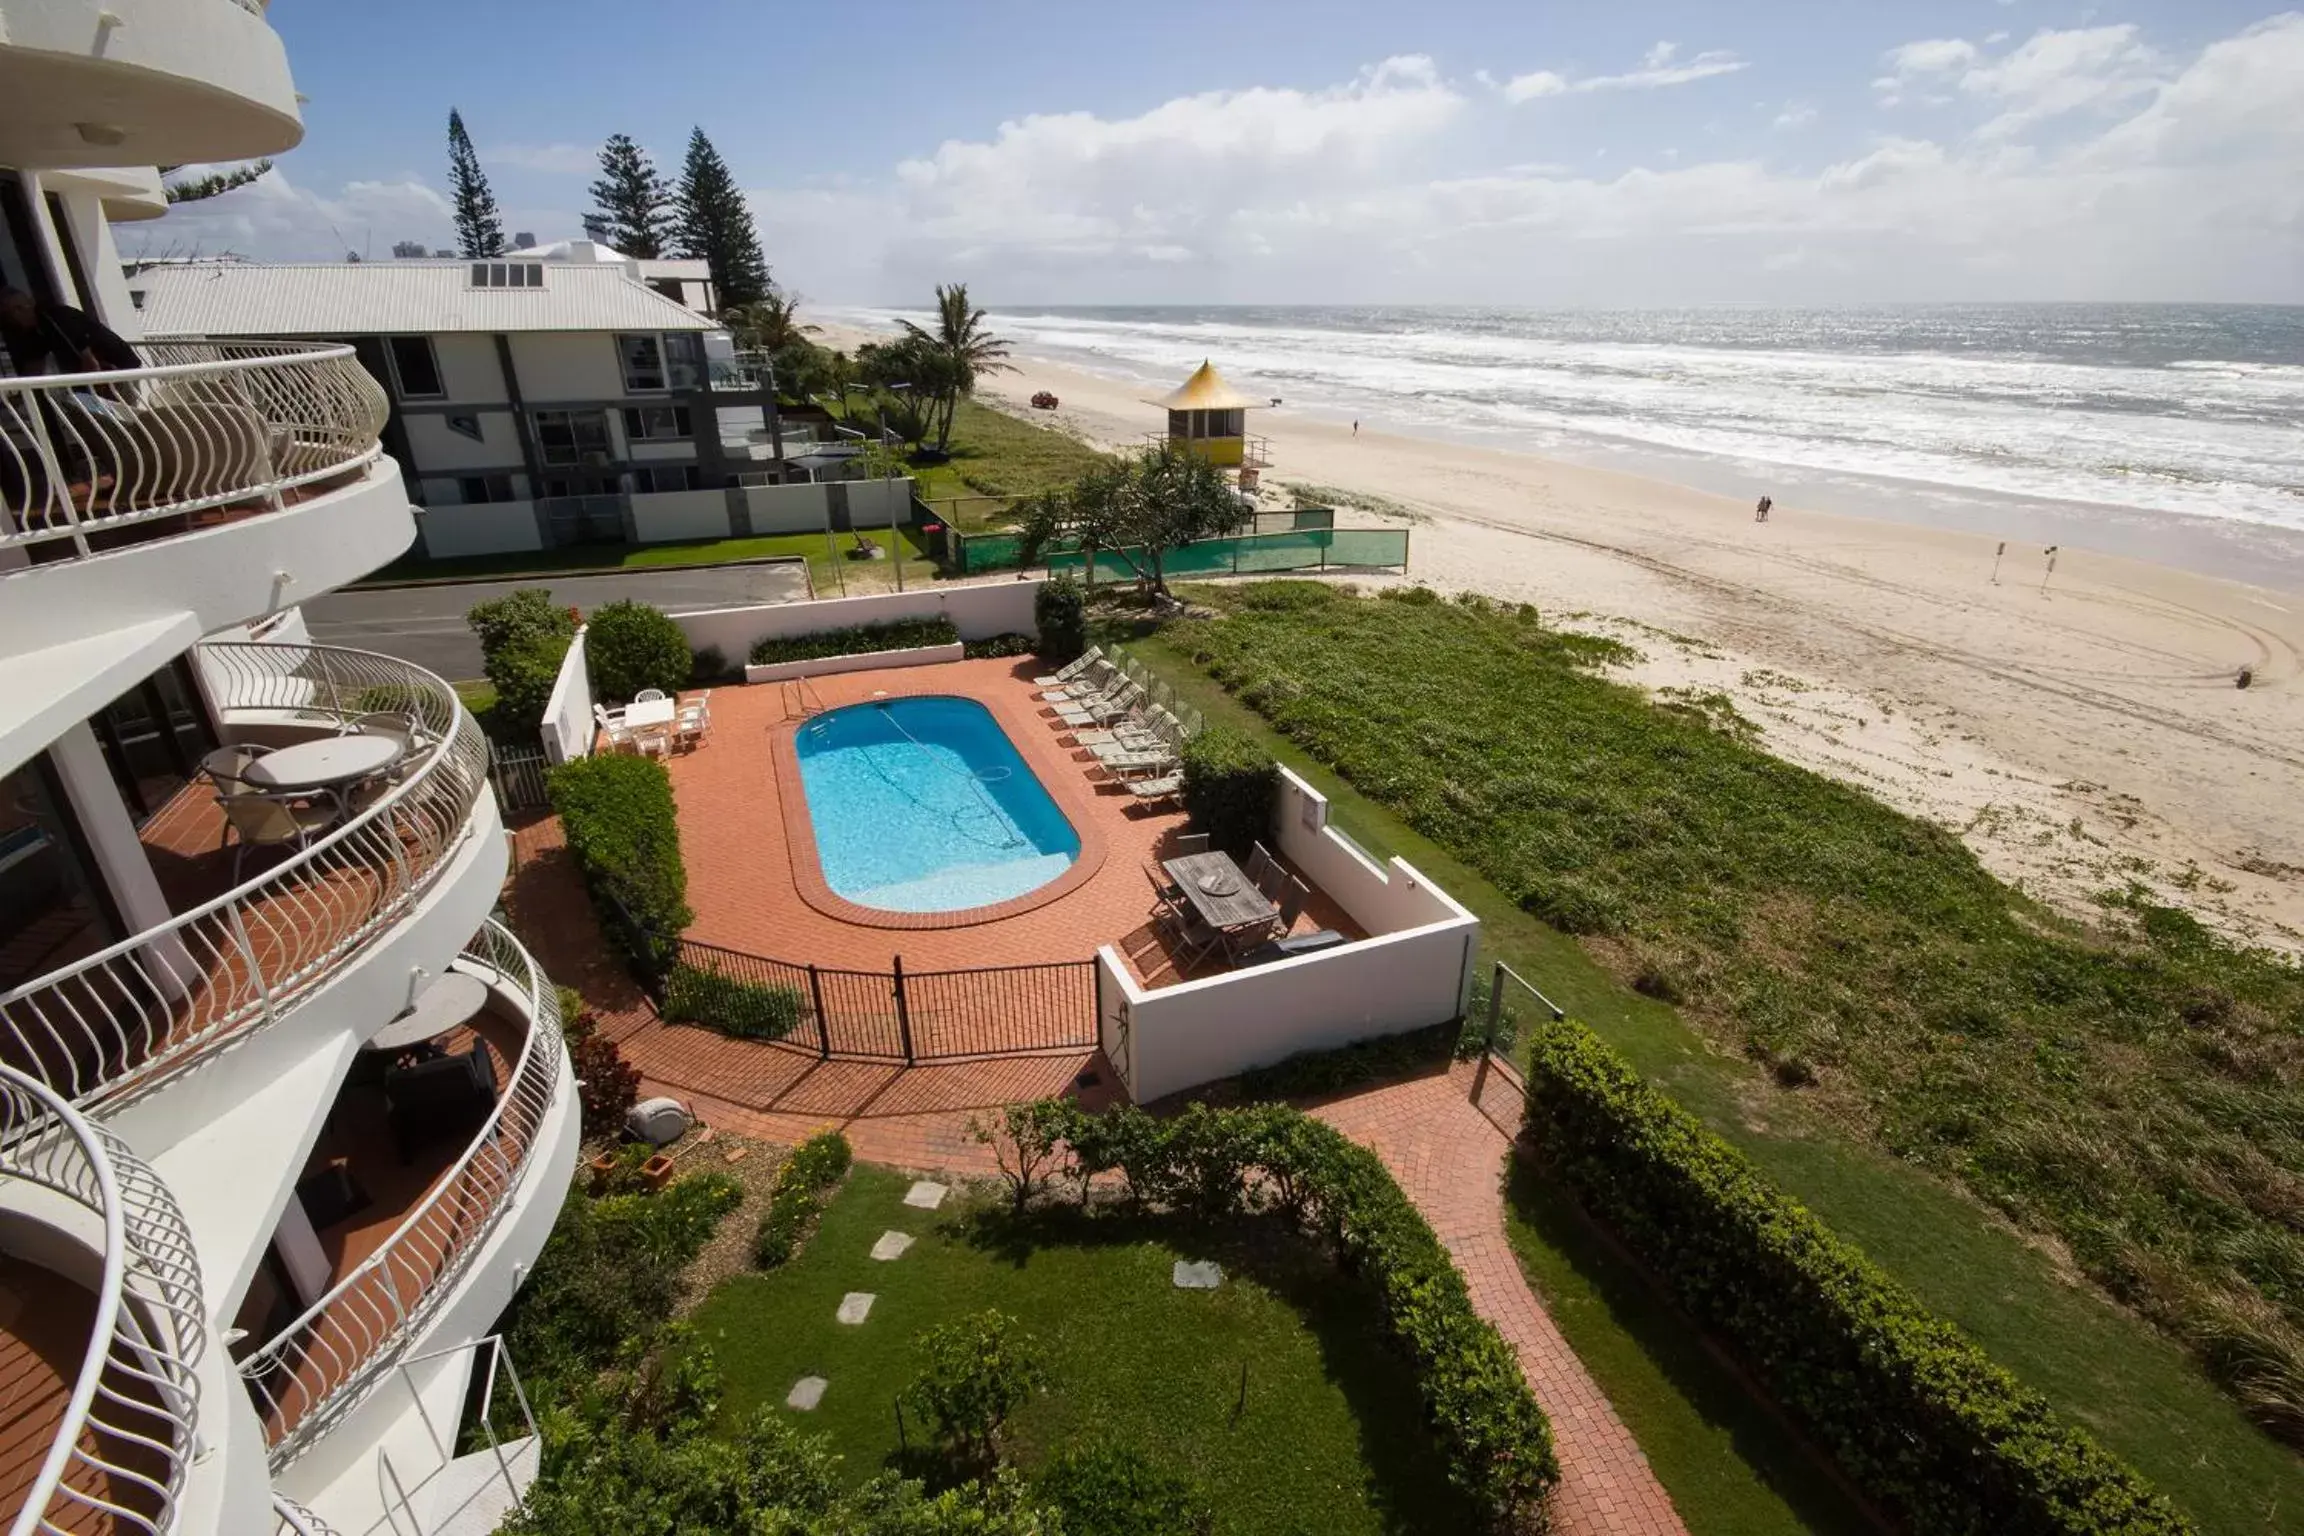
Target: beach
2079 728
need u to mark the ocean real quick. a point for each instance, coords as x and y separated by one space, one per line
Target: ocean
2143 424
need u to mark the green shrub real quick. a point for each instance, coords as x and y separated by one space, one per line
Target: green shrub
1495 1438
796 1197
992 647
1917 1415
523 671
749 1010
521 614
630 646
1229 784
606 1084
1060 613
617 814
1108 1489
979 1370
898 635
709 664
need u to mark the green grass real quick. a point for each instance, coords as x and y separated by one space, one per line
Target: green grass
996 454
1328 1438
826 569
2129 1384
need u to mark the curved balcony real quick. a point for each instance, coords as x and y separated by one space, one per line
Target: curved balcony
295 1520
99 1364
316 1369
111 1024
142 82
208 432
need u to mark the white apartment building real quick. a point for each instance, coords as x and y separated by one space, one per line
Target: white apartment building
252 1241
557 395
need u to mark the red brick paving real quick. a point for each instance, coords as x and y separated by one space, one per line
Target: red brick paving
1449 1158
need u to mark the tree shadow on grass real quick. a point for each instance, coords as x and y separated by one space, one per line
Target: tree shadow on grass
1408 1481
1790 1468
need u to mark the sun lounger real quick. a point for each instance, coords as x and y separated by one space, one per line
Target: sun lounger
1101 711
1071 670
1102 680
1156 789
1130 764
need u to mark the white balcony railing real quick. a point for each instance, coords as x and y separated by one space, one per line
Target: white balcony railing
207 425
318 1367
104 1026
295 1520
118 1450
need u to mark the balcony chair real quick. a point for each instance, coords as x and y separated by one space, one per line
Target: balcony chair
271 821
226 764
436 1099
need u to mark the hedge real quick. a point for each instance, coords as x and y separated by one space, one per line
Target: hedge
630 646
524 613
797 1196
1229 783
1060 613
749 1010
1213 1162
994 647
523 672
617 815
898 635
1915 1413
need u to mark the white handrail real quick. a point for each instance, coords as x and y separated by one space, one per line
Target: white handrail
205 424
115 1021
312 1372
121 1445
296 1520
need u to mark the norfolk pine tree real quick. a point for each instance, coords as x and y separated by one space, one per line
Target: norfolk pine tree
634 204
713 222
479 227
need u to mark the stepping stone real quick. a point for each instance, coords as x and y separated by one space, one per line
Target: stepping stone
855 1307
891 1245
926 1195
806 1393
1198 1277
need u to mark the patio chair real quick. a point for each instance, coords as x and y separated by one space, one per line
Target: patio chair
1071 669
649 696
1260 865
1149 790
618 733
399 727
271 821
1188 843
656 741
228 763
1292 902
1165 891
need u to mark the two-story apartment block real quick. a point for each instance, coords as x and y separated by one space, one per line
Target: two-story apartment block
285 1117
550 397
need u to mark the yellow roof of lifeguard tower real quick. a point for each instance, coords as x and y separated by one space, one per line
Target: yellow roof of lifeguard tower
1206 391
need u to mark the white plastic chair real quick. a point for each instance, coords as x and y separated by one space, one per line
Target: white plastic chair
648 696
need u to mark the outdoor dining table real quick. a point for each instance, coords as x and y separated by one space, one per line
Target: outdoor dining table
641 714
452 1000
1226 899
325 763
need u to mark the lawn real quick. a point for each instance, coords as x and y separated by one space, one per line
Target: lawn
2130 1384
1324 1435
996 454
826 569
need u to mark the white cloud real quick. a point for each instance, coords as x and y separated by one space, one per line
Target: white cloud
1660 66
2049 75
551 159
278 219
1795 114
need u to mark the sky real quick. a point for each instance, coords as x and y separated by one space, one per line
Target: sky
1496 153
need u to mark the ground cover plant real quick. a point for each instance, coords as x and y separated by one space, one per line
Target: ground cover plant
2126 1087
796 1198
896 635
1326 1435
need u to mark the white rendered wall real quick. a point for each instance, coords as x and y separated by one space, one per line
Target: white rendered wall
978 611
491 528
873 503
568 723
787 508
664 517
567 365
470 371
437 449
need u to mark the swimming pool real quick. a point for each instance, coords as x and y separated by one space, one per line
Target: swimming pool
922 805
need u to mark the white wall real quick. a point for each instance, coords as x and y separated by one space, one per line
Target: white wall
871 503
863 661
568 724
786 508
567 365
1379 900
469 368
437 450
664 516
489 529
977 611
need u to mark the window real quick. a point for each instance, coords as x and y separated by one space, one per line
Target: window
153 737
465 425
53 908
477 490
563 486
507 274
655 423
667 477
684 359
572 437
414 367
643 358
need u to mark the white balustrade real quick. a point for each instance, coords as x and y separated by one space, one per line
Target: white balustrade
207 424
118 1450
321 1365
115 1021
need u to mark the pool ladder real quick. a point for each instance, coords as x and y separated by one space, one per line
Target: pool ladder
801 700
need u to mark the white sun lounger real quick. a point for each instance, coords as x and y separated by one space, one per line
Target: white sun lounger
1071 669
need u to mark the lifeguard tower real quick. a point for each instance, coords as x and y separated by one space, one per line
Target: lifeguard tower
1209 417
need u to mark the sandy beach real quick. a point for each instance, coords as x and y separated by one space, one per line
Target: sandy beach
2077 734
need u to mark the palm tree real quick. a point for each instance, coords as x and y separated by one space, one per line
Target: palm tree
769 324
966 349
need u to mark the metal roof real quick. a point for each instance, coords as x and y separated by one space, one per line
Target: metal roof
1206 391
383 298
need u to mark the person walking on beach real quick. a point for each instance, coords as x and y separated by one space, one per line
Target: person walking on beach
1760 513
1355 428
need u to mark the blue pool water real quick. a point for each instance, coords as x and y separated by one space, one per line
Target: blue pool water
922 805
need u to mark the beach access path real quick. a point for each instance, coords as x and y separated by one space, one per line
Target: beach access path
2077 729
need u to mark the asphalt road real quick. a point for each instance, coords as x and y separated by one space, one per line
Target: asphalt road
425 624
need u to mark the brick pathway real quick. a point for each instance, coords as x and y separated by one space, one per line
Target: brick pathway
1449 1158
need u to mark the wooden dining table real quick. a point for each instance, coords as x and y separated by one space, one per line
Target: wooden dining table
1220 892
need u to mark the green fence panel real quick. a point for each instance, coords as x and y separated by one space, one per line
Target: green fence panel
1306 550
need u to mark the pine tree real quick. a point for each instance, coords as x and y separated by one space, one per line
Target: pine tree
635 205
479 227
712 221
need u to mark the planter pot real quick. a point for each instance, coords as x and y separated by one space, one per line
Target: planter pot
862 661
657 1171
602 1167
